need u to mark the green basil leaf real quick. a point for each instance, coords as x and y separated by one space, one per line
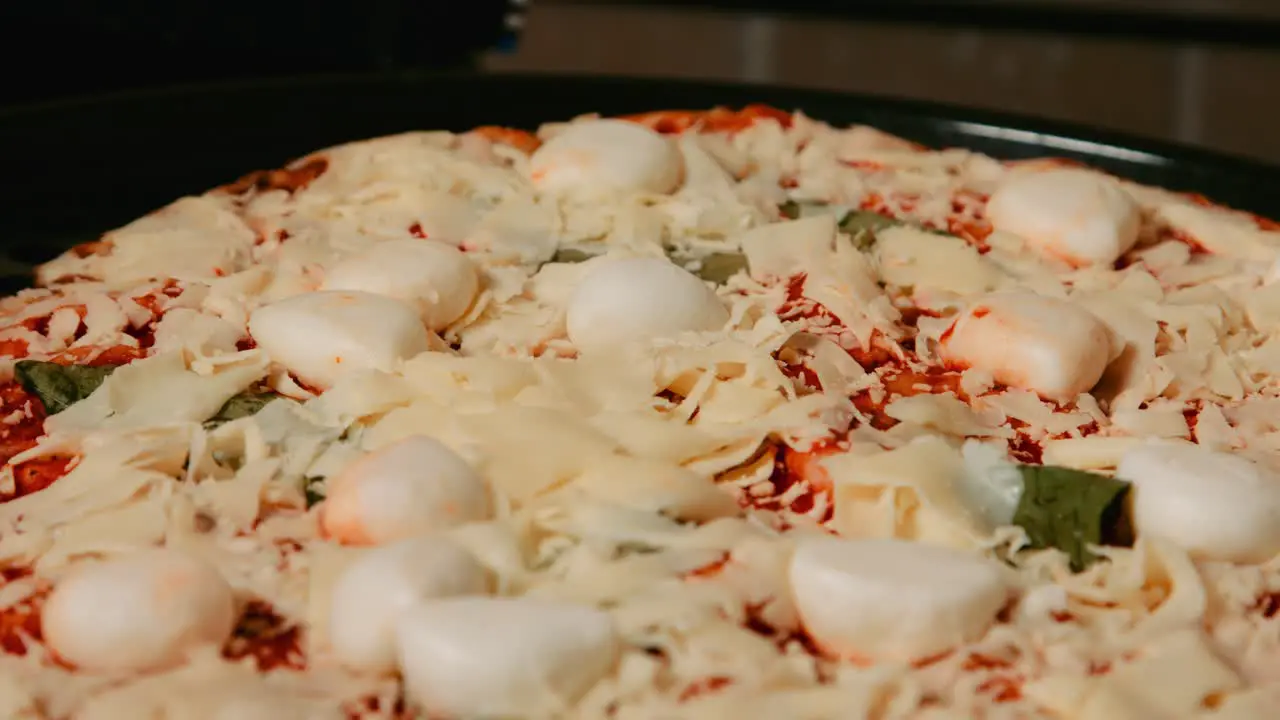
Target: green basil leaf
862 225
715 267
59 386
1072 509
719 267
314 489
241 405
570 255
633 547
793 210
860 221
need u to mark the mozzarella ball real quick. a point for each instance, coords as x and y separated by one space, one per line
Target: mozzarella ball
407 488
1215 505
318 336
1048 346
893 599
371 593
437 279
1080 217
603 156
640 298
502 657
139 612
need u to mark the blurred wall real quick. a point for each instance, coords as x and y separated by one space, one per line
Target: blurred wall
1219 97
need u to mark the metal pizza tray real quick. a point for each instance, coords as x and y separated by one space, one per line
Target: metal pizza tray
73 169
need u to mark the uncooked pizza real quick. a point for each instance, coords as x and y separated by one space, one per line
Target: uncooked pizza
709 415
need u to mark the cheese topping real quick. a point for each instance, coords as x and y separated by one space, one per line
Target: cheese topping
1217 505
319 336
606 156
1080 217
888 599
502 656
1032 342
142 611
436 278
403 489
369 596
692 415
621 301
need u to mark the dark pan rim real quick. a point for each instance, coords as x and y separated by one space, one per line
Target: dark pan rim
125 154
1027 129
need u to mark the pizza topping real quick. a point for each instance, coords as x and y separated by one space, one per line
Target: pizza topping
622 301
522 140
656 479
859 220
891 599
322 335
241 405
1212 229
716 267
59 386
193 238
656 487
370 595
436 278
265 636
861 226
1072 511
493 657
160 390
1080 217
914 492
291 179
990 485
718 119
196 332
923 261
860 223
138 612
414 485
572 255
1032 342
606 156
1217 505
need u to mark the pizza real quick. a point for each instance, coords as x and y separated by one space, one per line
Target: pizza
724 414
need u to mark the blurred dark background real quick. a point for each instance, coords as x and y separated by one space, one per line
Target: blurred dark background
1194 71
53 48
1201 72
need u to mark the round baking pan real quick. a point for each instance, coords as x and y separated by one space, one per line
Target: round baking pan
77 168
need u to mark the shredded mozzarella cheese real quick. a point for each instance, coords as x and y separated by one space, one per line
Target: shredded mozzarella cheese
561 425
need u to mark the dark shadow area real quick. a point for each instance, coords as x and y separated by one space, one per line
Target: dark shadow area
62 48
1169 22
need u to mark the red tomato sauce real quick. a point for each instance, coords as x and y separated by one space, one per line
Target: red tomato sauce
705 686
37 474
22 435
267 637
361 709
290 180
20 622
522 140
673 122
